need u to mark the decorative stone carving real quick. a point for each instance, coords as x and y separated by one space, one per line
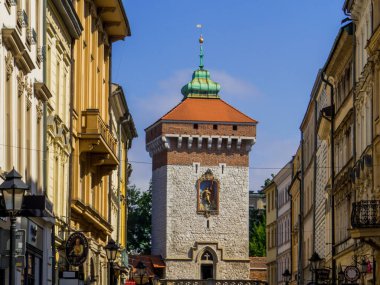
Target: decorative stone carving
39 108
29 94
9 64
21 83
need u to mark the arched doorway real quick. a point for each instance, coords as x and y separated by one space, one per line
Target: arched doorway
207 265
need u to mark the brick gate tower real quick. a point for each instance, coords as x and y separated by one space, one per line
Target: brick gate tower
200 184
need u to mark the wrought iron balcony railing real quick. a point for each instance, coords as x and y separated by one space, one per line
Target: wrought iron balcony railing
366 214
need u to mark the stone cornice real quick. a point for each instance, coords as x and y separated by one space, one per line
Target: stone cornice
165 142
13 42
41 91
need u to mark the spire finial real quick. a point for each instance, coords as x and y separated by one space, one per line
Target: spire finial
201 40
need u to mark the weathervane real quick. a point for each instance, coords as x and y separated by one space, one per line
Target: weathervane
201 40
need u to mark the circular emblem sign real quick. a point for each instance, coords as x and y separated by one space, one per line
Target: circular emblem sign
351 273
76 249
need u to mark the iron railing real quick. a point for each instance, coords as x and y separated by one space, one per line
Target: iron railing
366 214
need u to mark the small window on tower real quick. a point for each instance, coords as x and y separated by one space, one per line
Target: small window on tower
195 126
215 127
234 127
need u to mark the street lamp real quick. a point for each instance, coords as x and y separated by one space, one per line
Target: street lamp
112 250
141 269
13 190
315 262
286 276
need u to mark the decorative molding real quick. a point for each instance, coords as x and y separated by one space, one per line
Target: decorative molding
39 109
167 141
21 83
29 94
9 64
14 43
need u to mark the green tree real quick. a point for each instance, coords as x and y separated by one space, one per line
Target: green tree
139 220
257 233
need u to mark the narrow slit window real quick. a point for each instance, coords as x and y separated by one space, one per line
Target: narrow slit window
208 224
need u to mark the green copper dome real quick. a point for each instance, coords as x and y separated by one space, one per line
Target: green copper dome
201 86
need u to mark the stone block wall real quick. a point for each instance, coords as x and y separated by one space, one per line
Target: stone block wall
180 234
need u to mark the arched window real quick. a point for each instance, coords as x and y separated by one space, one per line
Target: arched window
207 263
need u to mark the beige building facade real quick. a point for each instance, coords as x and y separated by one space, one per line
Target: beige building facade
271 232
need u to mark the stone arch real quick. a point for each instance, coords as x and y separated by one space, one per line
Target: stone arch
207 260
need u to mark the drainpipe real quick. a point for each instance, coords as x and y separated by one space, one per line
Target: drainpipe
291 223
110 124
118 184
315 169
71 158
44 134
332 166
300 279
44 118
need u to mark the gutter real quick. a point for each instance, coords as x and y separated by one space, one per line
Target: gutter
291 221
333 270
300 279
315 169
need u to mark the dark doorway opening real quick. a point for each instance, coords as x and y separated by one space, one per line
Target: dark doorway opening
207 271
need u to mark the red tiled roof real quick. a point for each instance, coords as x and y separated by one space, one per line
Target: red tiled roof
207 110
150 261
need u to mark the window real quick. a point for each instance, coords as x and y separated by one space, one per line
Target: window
234 127
215 127
195 126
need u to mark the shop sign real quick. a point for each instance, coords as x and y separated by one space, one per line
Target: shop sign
76 249
323 274
351 273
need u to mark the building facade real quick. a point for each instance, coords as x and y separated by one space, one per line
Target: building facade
271 232
21 114
125 131
282 180
94 142
200 184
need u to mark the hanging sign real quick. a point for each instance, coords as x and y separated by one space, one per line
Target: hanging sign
352 273
76 249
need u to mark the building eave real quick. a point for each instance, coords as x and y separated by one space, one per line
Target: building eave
70 17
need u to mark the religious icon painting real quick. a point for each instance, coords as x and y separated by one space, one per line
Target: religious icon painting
208 194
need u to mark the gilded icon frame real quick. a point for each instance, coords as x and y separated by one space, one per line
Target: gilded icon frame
208 191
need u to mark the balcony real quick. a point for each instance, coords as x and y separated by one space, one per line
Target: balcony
97 139
365 219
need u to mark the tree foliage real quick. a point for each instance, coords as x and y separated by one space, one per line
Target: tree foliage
139 220
257 233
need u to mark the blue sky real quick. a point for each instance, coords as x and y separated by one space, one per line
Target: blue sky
265 54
